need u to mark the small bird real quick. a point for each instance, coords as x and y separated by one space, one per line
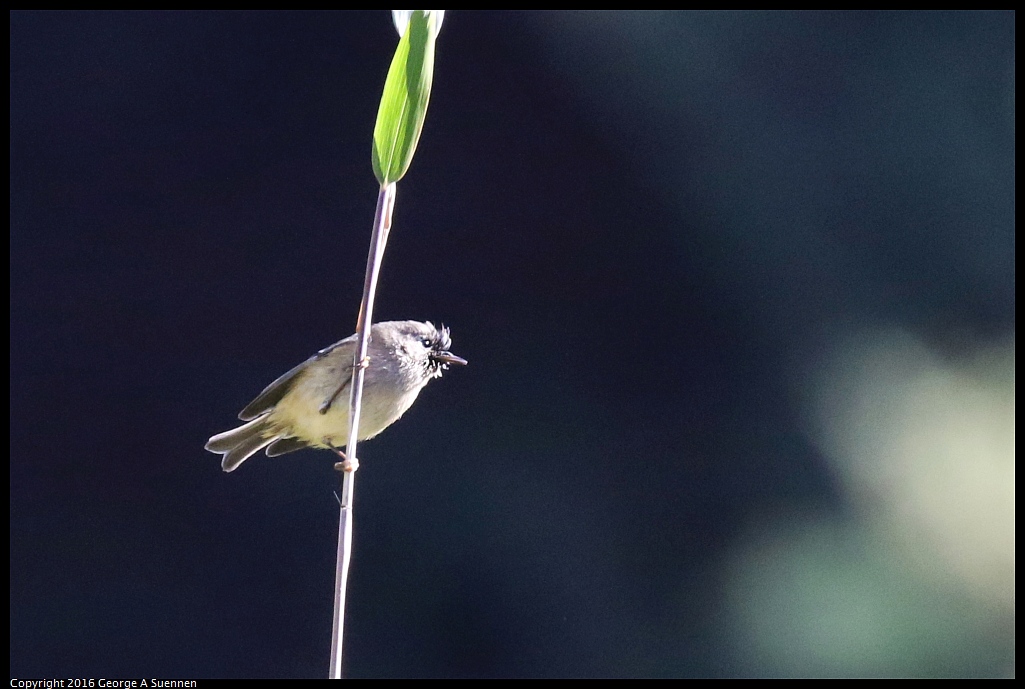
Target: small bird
309 405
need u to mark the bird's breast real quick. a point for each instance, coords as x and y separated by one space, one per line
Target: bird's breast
386 397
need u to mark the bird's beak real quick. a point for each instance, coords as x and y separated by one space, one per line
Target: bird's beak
449 358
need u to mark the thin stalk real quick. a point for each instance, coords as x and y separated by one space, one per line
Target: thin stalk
382 225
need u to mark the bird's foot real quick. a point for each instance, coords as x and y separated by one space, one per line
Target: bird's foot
348 465
362 363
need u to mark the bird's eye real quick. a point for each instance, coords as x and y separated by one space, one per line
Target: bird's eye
426 343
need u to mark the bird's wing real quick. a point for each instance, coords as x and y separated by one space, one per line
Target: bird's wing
273 393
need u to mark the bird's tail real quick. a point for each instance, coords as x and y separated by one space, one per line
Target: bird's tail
239 444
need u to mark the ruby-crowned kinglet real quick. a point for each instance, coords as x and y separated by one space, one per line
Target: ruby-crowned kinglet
309 405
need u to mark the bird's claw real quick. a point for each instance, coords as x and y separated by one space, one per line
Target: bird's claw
346 465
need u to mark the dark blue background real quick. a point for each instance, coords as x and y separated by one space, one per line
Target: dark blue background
634 224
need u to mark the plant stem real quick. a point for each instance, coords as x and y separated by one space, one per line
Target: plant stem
382 225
